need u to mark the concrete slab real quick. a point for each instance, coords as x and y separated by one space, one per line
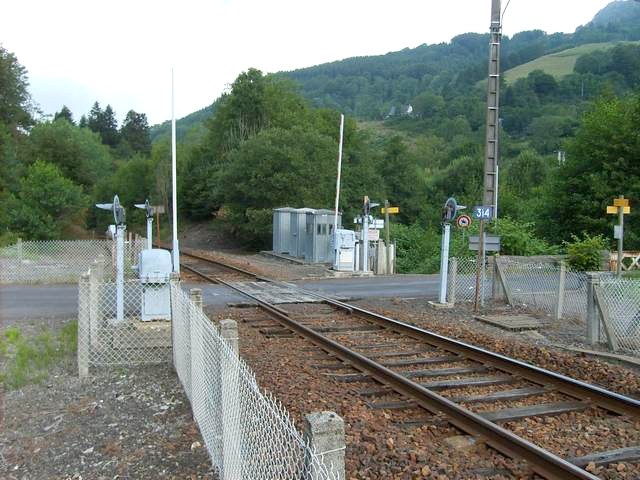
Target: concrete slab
513 323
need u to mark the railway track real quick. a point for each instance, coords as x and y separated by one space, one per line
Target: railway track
214 270
480 392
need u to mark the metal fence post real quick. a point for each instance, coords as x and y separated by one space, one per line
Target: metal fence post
324 432
453 276
593 323
230 373
561 289
174 283
83 325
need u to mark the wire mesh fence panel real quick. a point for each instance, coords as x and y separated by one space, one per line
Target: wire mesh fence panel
248 433
574 305
461 281
532 285
621 304
111 329
62 261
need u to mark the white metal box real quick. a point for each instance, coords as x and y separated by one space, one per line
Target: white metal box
154 270
154 266
346 249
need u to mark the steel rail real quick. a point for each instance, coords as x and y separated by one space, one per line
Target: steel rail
606 399
226 265
542 461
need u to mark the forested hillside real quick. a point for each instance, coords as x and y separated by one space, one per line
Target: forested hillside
272 141
378 86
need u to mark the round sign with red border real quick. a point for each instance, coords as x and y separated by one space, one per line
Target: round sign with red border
463 221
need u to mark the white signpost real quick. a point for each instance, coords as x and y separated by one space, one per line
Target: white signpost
119 218
448 215
149 211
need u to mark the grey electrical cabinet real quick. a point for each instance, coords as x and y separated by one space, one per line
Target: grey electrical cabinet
319 230
346 250
154 270
282 229
298 244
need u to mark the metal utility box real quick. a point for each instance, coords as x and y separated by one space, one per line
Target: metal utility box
154 270
282 229
319 230
298 241
346 250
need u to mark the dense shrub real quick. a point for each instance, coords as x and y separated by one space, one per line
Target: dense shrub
585 253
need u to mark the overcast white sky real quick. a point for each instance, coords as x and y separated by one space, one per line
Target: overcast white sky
121 52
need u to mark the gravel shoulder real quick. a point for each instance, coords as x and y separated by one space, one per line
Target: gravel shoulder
133 423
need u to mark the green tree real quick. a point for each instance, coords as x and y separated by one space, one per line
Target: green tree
133 182
428 104
76 151
15 102
401 178
104 123
602 163
64 113
276 168
135 132
46 204
109 124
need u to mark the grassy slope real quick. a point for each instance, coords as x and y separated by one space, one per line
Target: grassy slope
557 64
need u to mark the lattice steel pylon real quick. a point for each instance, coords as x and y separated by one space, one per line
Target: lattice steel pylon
490 196
490 190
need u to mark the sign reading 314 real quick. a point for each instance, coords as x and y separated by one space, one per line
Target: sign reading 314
483 212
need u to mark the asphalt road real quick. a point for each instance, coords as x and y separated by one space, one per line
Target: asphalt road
20 303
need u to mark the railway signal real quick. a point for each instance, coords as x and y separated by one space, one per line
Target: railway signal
146 206
119 219
449 213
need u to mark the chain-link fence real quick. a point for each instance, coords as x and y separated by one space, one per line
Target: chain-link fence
461 281
248 433
618 302
111 323
548 287
62 261
543 286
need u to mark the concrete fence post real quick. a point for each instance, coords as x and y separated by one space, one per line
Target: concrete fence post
593 318
83 325
453 279
324 432
94 304
196 297
229 331
19 248
230 390
561 290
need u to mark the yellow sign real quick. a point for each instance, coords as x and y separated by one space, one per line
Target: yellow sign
392 210
621 202
613 210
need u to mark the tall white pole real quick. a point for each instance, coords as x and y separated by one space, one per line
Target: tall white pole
444 263
120 272
335 213
174 188
365 243
149 233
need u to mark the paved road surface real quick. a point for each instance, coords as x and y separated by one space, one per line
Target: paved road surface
60 302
